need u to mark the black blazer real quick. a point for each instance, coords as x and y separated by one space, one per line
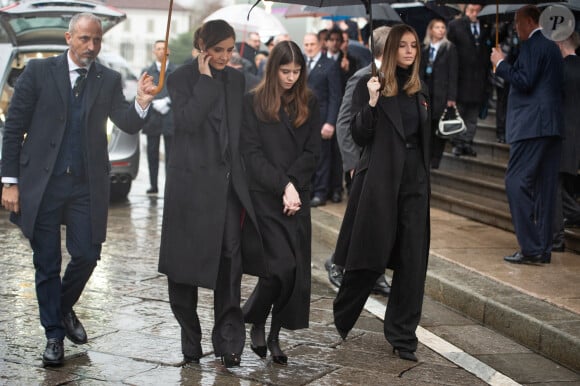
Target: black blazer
442 81
474 61
325 82
39 109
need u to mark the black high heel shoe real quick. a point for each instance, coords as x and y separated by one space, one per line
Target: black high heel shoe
260 351
406 355
278 355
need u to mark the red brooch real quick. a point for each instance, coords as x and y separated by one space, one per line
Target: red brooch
424 103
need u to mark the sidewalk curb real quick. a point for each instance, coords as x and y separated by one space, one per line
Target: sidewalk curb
534 323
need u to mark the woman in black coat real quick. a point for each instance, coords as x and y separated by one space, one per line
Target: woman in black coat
280 142
207 197
439 71
386 223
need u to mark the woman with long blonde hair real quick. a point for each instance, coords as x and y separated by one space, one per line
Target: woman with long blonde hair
386 224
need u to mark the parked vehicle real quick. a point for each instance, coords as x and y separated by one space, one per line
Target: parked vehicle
35 29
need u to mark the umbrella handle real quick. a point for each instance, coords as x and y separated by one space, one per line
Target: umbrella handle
164 63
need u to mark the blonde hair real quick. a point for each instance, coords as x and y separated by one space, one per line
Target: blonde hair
389 62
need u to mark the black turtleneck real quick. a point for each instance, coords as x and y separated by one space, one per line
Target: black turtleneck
408 106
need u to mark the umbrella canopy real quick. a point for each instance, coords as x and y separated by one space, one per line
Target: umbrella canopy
380 11
240 18
488 10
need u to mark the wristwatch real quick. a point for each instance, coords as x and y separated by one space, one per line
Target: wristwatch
7 185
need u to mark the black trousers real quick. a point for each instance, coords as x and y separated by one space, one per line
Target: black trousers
229 333
409 262
65 201
153 143
328 176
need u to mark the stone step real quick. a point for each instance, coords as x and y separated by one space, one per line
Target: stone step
483 186
473 166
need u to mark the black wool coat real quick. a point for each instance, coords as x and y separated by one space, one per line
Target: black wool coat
443 80
276 153
198 181
571 101
368 233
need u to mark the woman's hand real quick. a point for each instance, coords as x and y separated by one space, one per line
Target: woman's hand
291 200
450 103
203 62
374 87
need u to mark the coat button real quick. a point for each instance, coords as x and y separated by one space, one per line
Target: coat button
46 169
227 175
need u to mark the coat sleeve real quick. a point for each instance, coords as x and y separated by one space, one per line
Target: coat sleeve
122 113
362 124
301 171
260 169
19 117
192 97
334 93
525 71
348 149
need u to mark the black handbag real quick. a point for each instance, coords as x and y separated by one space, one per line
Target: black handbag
451 124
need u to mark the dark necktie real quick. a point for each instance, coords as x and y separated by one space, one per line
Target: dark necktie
475 31
309 65
80 81
432 54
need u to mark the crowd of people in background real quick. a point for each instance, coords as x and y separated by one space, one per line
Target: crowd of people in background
255 138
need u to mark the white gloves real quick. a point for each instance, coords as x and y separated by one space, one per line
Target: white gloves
162 105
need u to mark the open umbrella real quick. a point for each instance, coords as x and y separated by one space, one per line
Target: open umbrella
381 11
240 18
324 3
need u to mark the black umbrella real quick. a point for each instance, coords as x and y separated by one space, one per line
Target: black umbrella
324 3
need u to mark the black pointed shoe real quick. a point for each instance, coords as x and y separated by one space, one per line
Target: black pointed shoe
231 360
278 355
381 286
257 332
406 355
53 353
74 329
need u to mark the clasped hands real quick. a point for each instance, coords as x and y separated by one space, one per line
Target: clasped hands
291 200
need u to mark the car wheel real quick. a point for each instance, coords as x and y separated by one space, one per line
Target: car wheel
120 191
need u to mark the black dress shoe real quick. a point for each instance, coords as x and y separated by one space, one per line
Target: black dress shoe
278 355
152 190
343 334
546 259
336 197
406 355
382 287
231 360
74 329
188 360
520 258
457 150
468 151
53 353
257 335
317 201
571 223
559 246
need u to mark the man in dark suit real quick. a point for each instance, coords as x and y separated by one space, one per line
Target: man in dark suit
160 120
60 173
472 40
533 129
324 81
567 208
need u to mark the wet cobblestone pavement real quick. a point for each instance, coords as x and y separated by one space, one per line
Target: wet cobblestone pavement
134 338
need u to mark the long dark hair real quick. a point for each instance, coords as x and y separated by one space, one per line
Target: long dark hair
211 33
270 96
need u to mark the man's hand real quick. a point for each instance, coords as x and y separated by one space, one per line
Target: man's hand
327 131
496 56
374 87
11 198
145 90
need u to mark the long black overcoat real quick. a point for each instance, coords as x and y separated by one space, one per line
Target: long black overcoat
198 181
571 101
276 153
368 233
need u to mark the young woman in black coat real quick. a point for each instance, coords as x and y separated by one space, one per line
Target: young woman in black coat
386 223
280 142
439 71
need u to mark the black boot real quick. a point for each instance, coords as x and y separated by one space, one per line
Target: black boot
278 355
258 340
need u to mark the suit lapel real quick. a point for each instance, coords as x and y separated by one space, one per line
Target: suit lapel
94 83
62 79
391 108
